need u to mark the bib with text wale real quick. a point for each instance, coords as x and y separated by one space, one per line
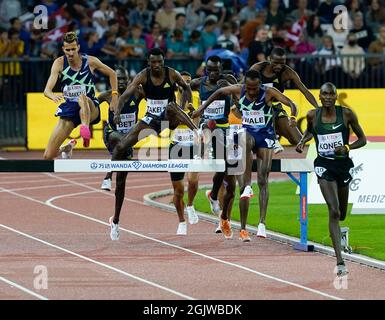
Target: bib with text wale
216 110
183 136
253 117
127 121
156 107
72 92
328 142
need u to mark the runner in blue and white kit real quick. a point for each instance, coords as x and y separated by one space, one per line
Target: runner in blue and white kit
76 72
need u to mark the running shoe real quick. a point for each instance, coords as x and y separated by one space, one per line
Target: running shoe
214 204
106 185
247 193
226 229
261 233
218 228
192 216
341 270
244 236
277 147
114 234
66 150
182 229
85 133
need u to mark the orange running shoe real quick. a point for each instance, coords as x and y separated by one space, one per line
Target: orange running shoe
226 229
244 236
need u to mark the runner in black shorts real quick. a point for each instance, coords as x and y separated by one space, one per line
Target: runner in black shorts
276 73
215 117
159 84
113 133
256 110
330 127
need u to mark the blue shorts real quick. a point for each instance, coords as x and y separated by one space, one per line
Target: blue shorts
263 138
107 131
69 110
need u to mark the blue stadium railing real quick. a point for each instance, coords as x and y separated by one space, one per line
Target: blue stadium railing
313 70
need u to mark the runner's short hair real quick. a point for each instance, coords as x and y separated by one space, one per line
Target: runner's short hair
253 75
70 37
155 52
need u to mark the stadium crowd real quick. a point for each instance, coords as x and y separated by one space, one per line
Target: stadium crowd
189 29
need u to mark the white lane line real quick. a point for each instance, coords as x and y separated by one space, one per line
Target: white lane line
49 203
71 185
14 284
129 275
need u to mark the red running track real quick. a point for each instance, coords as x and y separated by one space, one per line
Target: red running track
60 222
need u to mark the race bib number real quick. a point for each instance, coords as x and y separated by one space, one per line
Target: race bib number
156 107
183 136
328 142
216 110
72 92
127 121
319 171
253 117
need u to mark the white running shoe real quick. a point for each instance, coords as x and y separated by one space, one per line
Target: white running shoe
218 228
106 185
247 193
261 233
66 150
277 147
114 234
192 216
341 270
214 204
182 229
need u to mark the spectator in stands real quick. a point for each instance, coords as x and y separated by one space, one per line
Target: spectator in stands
109 45
4 50
377 64
8 10
136 42
274 14
101 16
364 34
353 66
228 40
325 65
301 11
375 16
314 32
176 47
24 35
195 16
166 16
261 47
141 16
195 46
209 37
90 44
85 27
304 46
249 12
325 11
155 39
353 7
180 24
